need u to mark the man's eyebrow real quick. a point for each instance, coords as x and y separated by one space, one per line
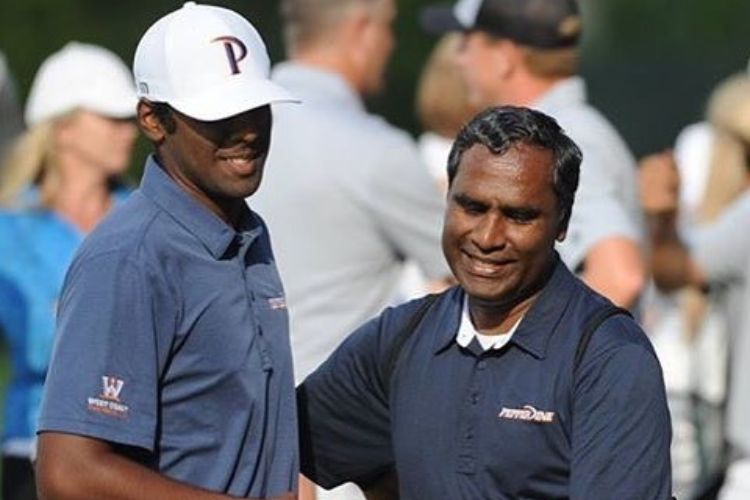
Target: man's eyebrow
465 199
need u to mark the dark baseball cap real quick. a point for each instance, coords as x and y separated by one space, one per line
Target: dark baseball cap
536 23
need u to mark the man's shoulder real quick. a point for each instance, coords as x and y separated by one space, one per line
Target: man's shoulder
616 331
124 231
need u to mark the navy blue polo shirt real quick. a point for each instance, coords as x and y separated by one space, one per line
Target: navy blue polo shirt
173 337
516 422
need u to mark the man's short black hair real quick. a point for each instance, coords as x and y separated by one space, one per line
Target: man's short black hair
501 128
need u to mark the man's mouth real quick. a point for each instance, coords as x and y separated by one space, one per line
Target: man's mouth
485 267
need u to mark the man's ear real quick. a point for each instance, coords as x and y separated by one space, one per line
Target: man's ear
149 122
506 55
562 230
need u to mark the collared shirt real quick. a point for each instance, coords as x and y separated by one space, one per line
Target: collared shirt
607 202
467 332
519 422
172 337
346 199
36 248
722 250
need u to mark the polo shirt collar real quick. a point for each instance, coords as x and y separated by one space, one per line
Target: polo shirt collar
541 319
215 234
566 92
314 85
537 325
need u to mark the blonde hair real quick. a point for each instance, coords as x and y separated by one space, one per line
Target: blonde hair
729 114
443 103
32 160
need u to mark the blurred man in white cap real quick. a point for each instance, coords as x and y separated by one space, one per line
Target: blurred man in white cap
60 179
525 53
172 374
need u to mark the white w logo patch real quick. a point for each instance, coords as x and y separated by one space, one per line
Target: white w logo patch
111 388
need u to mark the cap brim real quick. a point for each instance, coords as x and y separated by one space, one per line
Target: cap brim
439 19
232 99
124 108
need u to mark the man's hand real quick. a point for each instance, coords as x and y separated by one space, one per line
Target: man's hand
659 182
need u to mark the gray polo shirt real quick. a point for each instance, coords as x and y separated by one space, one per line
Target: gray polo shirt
607 198
172 337
346 199
722 250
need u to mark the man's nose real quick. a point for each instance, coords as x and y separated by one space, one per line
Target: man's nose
490 234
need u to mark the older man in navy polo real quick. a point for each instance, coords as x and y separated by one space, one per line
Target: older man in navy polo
521 382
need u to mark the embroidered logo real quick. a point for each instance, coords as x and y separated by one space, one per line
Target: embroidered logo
233 57
277 303
527 414
108 402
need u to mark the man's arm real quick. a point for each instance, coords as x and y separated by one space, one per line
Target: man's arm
614 267
621 427
76 467
671 264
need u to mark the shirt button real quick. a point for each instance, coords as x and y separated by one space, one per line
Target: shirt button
469 435
482 365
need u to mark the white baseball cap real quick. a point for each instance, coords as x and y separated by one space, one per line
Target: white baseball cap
81 76
207 62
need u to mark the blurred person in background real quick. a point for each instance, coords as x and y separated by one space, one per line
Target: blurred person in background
690 328
10 115
443 107
525 53
713 257
348 198
58 182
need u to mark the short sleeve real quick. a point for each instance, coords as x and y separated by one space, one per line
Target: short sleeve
103 380
621 428
408 207
595 217
722 248
344 423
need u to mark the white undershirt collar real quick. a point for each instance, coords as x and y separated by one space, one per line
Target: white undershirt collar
467 332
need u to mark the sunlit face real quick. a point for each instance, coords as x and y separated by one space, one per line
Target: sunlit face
380 41
477 60
220 160
96 140
501 223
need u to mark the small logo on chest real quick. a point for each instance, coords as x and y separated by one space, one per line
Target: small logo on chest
527 414
277 303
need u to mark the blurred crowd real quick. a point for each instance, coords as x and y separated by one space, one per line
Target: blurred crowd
354 206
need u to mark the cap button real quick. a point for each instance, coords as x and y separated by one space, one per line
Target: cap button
188 4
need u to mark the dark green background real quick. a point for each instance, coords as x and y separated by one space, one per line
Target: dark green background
650 63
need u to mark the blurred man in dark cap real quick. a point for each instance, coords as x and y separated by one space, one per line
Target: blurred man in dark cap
525 53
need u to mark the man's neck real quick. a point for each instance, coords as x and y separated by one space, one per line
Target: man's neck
527 90
329 60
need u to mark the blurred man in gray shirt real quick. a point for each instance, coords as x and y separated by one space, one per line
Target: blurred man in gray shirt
349 198
525 53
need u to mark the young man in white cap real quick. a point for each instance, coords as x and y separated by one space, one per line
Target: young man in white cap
172 375
525 53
